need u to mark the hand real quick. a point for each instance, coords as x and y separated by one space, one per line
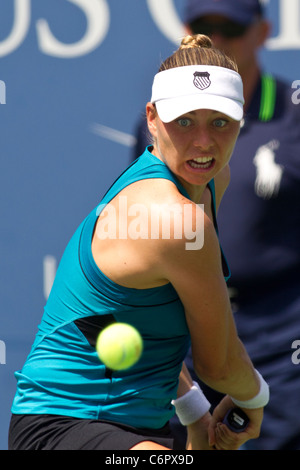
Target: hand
222 438
197 434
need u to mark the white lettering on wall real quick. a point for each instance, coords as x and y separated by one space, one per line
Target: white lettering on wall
2 92
289 26
98 20
2 352
20 27
97 15
166 18
49 271
163 13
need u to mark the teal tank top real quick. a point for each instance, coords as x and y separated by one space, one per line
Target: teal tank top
63 374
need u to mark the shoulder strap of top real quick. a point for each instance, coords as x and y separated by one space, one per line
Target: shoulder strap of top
147 166
225 265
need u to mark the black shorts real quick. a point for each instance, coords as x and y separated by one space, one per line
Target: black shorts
52 432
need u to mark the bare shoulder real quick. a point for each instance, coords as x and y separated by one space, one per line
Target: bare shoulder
195 252
152 190
176 225
142 224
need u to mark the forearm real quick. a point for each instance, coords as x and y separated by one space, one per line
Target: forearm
202 430
191 404
185 381
192 409
236 377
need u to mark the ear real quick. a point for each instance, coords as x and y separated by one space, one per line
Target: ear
152 115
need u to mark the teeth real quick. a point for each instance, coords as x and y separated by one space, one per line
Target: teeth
202 159
201 162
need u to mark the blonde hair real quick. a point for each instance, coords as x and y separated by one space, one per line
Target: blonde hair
198 50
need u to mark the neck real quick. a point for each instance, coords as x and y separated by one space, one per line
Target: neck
194 191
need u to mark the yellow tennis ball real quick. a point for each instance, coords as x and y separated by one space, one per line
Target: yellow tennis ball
119 346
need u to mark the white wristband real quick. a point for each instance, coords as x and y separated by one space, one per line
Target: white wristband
260 400
191 406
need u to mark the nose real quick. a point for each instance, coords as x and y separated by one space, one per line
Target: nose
202 139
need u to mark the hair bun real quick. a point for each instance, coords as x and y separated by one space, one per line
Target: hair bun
197 40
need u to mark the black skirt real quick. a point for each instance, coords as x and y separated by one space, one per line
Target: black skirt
52 432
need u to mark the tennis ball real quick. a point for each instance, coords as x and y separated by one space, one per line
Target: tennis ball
119 346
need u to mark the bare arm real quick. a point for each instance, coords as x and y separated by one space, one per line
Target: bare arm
207 432
197 431
219 357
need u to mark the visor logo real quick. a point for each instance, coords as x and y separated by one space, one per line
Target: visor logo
202 80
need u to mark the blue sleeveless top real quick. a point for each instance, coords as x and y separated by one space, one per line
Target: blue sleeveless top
63 374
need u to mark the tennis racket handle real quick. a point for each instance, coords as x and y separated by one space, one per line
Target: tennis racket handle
236 420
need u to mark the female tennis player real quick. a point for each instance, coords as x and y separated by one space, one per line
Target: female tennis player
149 255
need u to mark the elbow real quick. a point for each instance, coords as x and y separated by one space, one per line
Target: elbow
212 374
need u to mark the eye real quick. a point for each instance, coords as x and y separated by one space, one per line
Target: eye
184 122
220 122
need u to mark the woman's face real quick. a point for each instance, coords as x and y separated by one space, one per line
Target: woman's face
195 146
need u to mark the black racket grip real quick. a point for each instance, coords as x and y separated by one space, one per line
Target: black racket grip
236 420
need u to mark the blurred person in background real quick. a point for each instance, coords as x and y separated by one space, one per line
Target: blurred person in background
259 218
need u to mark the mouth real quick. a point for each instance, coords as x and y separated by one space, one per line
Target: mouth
201 163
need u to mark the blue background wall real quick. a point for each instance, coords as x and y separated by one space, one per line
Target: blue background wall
68 111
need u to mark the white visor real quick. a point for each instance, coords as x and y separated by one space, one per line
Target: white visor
183 89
